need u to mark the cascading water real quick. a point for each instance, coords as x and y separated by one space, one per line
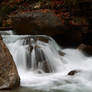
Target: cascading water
41 66
8 32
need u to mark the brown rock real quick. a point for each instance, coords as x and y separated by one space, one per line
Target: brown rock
82 46
43 39
37 22
61 53
87 49
9 77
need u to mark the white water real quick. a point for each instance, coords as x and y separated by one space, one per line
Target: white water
7 32
32 74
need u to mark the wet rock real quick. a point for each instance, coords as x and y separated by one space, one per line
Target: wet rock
9 77
81 46
41 61
61 53
73 72
43 39
87 49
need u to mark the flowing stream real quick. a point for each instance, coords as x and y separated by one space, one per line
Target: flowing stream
42 64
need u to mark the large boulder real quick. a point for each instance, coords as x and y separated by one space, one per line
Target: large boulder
37 22
9 77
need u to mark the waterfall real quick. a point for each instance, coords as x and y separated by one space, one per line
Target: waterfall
30 53
42 67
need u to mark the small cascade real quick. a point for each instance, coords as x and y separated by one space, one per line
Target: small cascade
34 54
43 65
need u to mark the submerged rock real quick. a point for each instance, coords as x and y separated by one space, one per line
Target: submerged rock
9 77
73 72
61 53
41 61
43 39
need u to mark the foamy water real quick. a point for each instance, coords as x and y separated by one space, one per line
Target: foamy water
31 71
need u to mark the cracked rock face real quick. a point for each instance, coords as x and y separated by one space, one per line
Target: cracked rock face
9 77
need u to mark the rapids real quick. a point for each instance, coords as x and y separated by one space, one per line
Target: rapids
41 67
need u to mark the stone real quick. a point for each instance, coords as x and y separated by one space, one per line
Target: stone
44 39
61 53
9 77
41 59
87 49
43 22
73 72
